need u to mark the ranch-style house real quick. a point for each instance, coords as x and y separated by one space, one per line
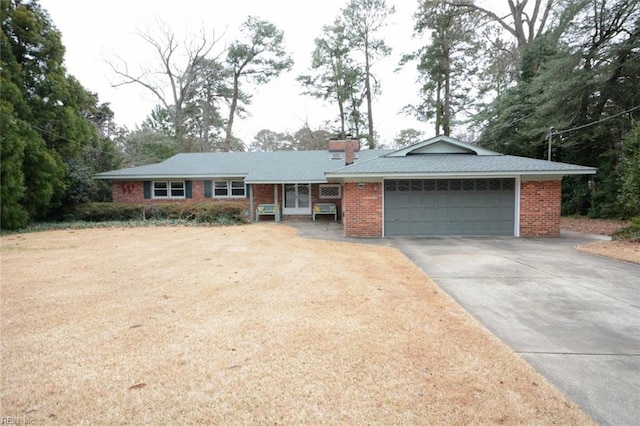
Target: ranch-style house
438 187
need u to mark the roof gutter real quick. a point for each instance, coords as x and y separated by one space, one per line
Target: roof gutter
167 176
355 177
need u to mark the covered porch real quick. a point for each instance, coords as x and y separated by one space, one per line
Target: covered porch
286 200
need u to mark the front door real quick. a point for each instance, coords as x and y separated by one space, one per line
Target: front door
297 199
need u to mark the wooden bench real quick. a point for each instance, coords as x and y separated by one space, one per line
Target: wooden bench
325 208
267 210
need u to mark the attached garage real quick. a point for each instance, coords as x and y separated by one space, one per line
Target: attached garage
465 207
446 187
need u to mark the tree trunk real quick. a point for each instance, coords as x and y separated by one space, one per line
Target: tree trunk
367 83
446 113
206 121
232 113
438 108
343 132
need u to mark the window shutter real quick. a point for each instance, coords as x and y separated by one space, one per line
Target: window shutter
147 189
187 189
207 189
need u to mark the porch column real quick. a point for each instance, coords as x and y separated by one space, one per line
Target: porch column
275 202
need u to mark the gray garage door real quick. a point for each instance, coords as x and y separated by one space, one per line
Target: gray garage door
449 207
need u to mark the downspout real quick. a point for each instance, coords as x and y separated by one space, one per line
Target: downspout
251 218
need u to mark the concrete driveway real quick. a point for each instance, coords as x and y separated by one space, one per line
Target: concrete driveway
573 316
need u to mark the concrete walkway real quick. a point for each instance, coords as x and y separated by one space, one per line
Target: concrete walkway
573 316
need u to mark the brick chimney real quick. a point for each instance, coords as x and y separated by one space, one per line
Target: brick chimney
348 146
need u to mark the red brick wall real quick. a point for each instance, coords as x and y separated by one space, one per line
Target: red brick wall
127 192
341 145
540 208
362 209
133 192
263 194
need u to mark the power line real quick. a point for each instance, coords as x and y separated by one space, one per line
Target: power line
553 132
77 143
577 90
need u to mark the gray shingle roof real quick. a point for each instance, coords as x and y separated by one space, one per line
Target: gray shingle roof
422 159
255 167
449 164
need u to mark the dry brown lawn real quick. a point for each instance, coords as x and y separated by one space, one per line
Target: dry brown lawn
620 250
246 325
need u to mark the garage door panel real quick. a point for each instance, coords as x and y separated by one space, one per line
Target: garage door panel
468 213
455 213
402 214
450 207
415 201
415 228
481 228
467 227
455 199
506 213
441 199
493 212
442 214
415 214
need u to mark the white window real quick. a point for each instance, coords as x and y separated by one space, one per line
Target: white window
177 189
174 189
329 191
229 189
237 188
221 188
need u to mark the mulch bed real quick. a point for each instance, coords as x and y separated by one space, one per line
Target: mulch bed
585 225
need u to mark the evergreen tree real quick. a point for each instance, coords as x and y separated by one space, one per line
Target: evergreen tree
336 78
629 174
44 115
445 65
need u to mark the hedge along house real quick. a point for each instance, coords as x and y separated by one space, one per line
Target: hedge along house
438 187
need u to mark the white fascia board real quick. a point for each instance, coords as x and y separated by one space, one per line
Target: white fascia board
452 175
278 182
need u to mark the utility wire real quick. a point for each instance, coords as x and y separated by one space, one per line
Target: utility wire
76 143
577 90
553 132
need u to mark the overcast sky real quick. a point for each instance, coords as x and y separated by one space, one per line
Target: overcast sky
93 32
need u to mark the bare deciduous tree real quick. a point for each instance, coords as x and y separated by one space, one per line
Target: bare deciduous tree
173 80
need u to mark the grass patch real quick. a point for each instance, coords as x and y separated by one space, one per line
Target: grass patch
71 225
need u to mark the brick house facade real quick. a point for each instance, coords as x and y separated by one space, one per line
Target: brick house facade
540 208
525 201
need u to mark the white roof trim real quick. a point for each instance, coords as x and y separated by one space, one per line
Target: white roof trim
354 177
105 176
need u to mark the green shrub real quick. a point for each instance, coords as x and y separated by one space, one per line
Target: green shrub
211 212
103 212
629 233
